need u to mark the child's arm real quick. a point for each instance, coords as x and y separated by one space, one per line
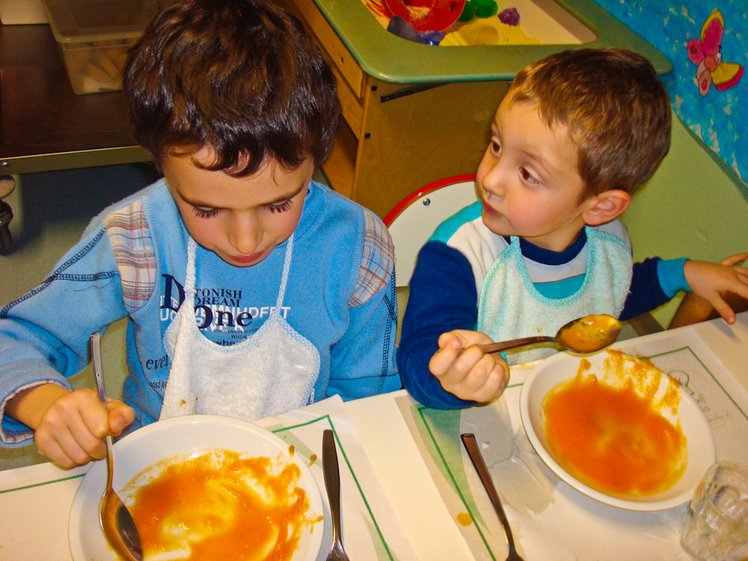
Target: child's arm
362 362
44 334
656 281
69 426
442 299
712 281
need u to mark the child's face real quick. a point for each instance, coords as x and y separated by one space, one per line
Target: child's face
241 219
529 180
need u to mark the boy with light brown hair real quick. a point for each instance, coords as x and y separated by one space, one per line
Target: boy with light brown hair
575 136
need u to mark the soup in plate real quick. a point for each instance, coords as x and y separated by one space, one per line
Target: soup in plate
617 431
217 504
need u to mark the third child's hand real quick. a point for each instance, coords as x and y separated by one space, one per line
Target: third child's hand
465 371
711 281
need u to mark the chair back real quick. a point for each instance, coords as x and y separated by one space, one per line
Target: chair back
413 220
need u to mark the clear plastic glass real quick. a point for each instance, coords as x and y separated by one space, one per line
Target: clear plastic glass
716 523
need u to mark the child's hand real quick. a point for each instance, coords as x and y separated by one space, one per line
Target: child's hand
465 371
70 426
711 281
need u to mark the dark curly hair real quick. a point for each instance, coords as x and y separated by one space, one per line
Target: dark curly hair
242 77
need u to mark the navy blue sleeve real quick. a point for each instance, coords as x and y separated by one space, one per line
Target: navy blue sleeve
442 298
645 293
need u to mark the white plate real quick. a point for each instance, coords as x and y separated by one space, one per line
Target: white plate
173 437
695 427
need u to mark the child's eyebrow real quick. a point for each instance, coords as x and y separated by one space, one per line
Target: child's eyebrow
290 195
276 200
546 167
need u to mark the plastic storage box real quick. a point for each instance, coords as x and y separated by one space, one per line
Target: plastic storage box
21 12
94 36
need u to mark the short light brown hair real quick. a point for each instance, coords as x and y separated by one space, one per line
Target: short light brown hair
614 107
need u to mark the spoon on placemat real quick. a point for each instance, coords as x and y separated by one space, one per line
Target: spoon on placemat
584 335
471 445
114 518
332 484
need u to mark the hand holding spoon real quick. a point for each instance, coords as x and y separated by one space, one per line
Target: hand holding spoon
584 335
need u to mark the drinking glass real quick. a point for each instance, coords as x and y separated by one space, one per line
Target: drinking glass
716 524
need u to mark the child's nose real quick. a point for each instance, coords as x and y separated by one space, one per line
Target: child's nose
494 181
243 235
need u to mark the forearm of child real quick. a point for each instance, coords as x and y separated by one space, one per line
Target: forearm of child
442 298
29 405
421 384
645 292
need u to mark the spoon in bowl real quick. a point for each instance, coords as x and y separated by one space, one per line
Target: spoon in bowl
114 518
584 335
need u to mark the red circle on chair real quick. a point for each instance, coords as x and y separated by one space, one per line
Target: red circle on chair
427 15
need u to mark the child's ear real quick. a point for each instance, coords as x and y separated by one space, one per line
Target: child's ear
605 207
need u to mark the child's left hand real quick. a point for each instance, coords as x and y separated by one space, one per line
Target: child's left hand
711 281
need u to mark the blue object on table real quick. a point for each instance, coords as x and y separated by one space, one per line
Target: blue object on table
432 37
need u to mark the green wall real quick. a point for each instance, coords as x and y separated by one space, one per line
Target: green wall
690 208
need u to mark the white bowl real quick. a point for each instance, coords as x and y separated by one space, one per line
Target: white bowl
173 437
695 427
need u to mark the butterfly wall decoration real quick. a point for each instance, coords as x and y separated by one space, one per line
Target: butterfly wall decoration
706 53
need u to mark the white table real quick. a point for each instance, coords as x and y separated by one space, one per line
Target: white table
394 460
408 484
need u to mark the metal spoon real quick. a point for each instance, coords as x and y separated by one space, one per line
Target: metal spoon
332 484
471 445
583 335
114 518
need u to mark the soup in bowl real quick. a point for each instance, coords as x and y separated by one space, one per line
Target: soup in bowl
205 487
617 429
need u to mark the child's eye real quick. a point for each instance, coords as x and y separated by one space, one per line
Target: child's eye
527 176
495 147
280 207
205 212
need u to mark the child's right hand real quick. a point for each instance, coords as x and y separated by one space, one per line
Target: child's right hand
465 371
70 426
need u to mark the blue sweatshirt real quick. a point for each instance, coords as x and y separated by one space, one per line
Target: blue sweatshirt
130 263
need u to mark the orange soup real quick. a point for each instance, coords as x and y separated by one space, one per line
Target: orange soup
614 437
219 505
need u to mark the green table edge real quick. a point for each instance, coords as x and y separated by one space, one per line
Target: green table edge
389 58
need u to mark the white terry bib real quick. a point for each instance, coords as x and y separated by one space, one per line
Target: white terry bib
510 306
270 372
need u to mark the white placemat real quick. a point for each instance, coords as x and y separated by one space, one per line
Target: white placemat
35 501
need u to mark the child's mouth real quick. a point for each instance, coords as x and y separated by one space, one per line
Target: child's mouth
490 211
246 259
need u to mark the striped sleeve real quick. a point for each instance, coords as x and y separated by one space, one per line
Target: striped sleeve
377 260
132 245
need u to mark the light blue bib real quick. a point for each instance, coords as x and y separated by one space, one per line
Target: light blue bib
510 306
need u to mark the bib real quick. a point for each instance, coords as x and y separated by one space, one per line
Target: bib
270 372
510 306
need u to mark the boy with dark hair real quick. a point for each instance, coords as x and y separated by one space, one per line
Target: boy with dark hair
249 288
